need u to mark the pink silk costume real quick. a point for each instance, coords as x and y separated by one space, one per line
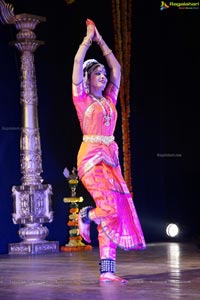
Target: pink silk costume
100 172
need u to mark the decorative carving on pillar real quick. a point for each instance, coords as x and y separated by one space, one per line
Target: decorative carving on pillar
32 199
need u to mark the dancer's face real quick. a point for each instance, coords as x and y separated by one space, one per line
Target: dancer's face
98 78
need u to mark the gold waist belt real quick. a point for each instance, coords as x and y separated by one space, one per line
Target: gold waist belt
102 139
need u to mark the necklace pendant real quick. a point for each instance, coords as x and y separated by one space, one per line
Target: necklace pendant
106 108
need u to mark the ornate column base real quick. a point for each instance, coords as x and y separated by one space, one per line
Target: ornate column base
42 247
32 208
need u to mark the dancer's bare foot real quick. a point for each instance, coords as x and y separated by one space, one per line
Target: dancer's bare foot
108 276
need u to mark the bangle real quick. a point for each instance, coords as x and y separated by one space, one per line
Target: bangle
107 52
86 42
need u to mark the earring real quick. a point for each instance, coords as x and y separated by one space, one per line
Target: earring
86 87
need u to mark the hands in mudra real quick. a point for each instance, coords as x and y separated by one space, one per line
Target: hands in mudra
92 31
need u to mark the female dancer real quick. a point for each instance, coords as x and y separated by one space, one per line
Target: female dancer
95 97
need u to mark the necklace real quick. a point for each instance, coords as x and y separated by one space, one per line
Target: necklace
107 110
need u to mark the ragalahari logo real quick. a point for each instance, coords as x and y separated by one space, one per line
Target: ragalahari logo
179 5
164 5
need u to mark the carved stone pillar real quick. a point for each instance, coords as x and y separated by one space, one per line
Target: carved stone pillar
32 199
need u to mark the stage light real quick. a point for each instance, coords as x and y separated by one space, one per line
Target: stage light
172 230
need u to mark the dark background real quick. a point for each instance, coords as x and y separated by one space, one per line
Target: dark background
164 79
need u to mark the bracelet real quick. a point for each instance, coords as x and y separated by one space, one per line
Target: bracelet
107 52
86 42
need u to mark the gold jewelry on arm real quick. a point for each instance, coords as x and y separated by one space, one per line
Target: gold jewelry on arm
107 52
87 42
104 47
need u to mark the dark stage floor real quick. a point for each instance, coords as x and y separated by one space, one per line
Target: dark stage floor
164 271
